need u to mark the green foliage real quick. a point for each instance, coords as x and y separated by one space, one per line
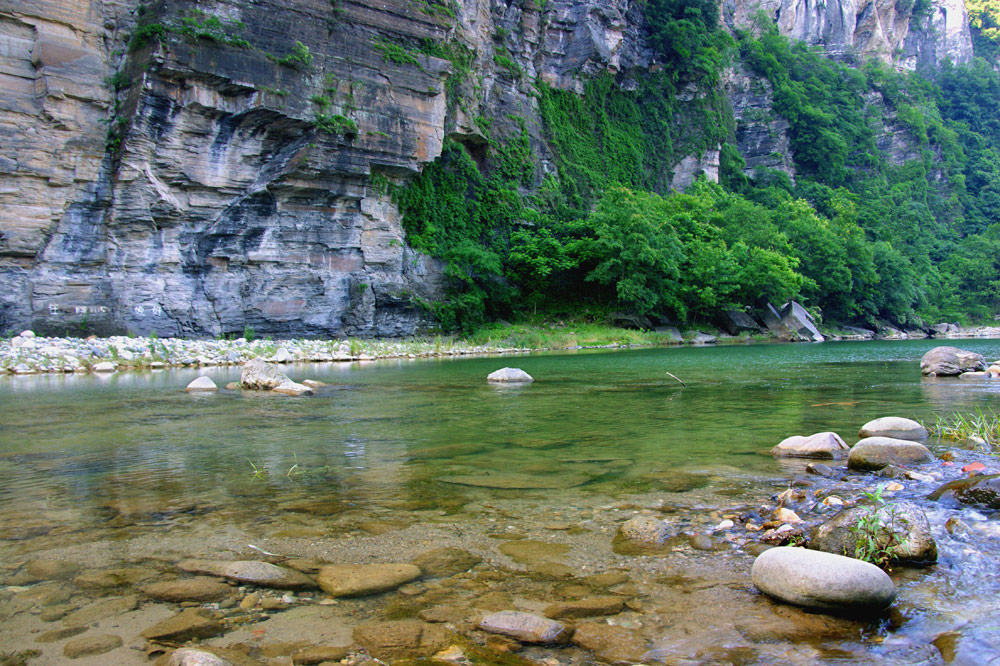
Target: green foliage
686 36
299 58
395 53
199 25
146 34
335 123
876 540
966 427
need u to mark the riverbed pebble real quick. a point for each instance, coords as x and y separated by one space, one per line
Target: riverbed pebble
263 574
202 385
526 627
357 580
822 581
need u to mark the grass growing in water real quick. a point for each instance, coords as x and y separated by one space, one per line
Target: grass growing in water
876 540
978 426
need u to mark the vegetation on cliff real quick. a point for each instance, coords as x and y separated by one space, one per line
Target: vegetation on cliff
862 235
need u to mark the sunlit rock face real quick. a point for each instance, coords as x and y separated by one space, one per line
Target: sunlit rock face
184 187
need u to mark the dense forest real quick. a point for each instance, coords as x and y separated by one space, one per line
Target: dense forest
857 237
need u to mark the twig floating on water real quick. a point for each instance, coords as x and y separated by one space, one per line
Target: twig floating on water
677 378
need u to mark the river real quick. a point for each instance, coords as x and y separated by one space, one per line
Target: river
394 458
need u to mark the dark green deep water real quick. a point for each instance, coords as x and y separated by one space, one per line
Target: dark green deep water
396 457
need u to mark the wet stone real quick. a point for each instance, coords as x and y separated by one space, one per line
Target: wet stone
59 634
189 623
191 589
824 445
99 610
89 646
874 453
895 427
319 654
613 644
525 627
354 580
978 490
401 639
446 561
585 608
254 572
111 579
195 657
51 569
646 529
905 532
528 551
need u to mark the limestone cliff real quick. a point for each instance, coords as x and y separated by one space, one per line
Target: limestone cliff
194 167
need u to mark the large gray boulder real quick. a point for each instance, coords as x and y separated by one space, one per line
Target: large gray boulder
903 530
895 427
822 445
982 490
874 453
951 361
259 375
822 581
797 319
736 321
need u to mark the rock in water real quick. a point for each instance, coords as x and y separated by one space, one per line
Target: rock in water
982 490
525 627
874 453
199 589
188 624
822 581
104 366
194 657
292 388
202 384
950 361
509 375
401 639
259 375
88 646
446 561
646 529
356 580
585 608
905 532
895 427
825 445
613 644
263 574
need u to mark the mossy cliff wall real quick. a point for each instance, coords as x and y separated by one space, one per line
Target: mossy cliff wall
192 168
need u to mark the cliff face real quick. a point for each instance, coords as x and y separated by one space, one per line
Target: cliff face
236 170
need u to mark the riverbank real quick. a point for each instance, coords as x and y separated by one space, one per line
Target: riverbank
26 353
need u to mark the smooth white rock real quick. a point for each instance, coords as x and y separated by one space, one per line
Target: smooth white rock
202 384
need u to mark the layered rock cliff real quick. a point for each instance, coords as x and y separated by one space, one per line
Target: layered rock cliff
194 168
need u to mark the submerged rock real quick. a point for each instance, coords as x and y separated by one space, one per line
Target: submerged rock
401 639
613 644
874 453
509 375
894 427
950 361
357 580
824 445
189 623
905 532
195 657
189 589
526 627
822 581
585 608
259 375
89 646
646 529
446 561
251 571
982 490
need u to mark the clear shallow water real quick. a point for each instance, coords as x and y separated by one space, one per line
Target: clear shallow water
104 460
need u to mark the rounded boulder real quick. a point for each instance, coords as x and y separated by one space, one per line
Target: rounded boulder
874 453
822 445
510 375
822 581
951 361
895 427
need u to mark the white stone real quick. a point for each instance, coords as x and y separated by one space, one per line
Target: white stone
282 355
105 366
510 375
26 334
202 384
292 388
